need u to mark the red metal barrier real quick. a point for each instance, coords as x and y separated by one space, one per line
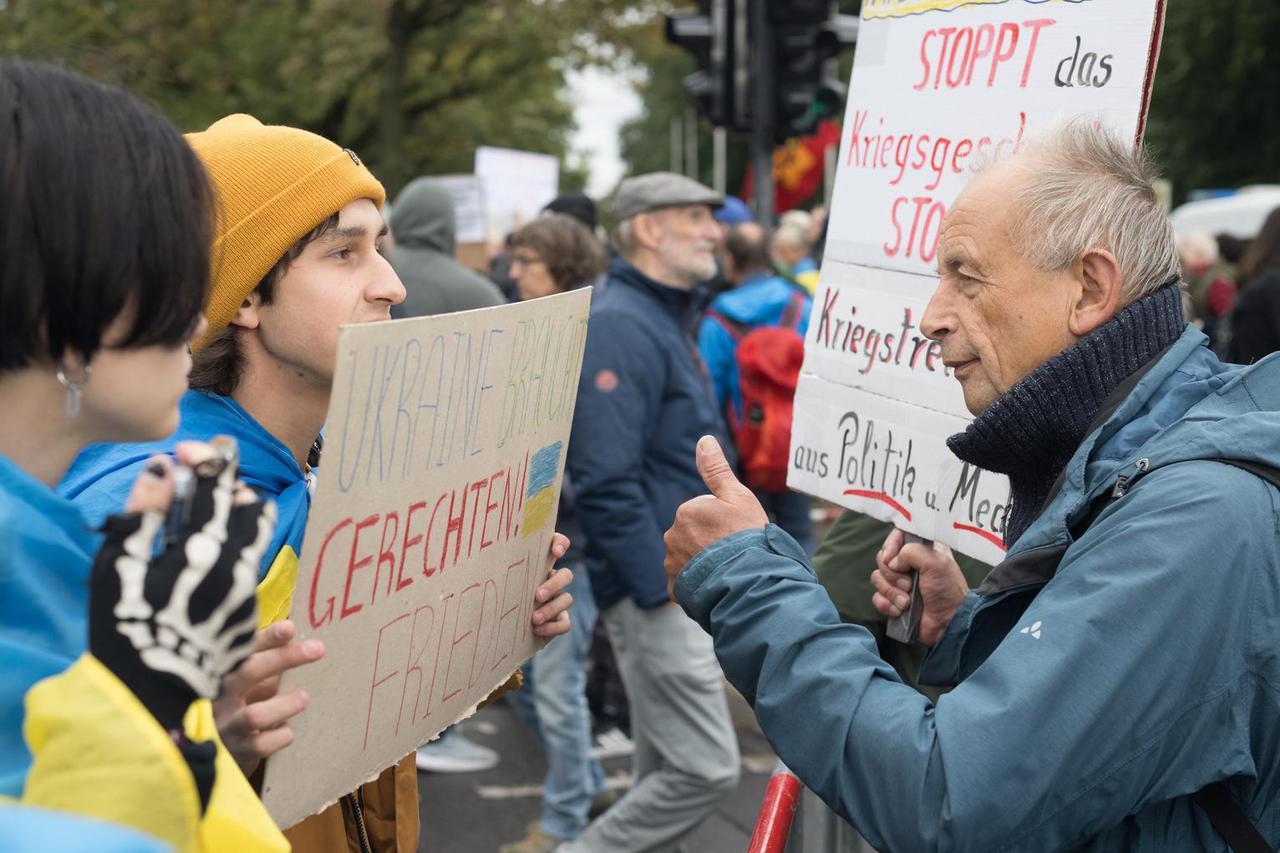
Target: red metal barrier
777 812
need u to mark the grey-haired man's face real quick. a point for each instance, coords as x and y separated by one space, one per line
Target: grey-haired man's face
998 316
687 242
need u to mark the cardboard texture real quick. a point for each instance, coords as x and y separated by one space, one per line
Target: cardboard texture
429 531
936 85
473 256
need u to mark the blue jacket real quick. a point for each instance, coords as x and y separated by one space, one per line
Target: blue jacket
44 602
759 301
643 403
1147 668
26 829
101 477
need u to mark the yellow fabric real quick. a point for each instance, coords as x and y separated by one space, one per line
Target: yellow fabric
809 281
275 592
98 752
273 185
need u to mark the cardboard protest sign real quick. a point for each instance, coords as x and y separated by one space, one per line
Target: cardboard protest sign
428 533
936 85
517 185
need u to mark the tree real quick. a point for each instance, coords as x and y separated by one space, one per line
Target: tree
1215 110
412 85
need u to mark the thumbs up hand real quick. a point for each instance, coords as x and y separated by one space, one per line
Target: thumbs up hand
729 508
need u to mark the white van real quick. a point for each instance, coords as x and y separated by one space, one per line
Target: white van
1240 215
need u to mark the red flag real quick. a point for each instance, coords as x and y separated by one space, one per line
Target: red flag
797 168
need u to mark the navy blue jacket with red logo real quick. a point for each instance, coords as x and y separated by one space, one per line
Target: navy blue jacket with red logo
643 402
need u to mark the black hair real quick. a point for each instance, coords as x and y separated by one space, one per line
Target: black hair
1230 247
106 210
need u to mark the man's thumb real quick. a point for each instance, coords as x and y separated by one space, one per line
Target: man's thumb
715 469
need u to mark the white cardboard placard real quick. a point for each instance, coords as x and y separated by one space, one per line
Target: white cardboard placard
517 185
936 84
468 206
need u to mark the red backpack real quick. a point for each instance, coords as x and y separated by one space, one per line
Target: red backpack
768 360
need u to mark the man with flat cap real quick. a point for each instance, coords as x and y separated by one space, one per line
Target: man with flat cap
643 403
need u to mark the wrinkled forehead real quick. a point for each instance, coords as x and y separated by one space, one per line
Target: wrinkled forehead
982 211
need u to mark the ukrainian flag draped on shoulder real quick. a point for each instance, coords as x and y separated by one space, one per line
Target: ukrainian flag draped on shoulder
101 476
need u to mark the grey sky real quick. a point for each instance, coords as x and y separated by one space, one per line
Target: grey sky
602 100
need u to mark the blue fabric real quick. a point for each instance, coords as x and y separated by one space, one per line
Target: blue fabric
44 602
1034 428
643 403
805 265
790 511
734 211
102 475
759 301
31 830
1143 671
553 703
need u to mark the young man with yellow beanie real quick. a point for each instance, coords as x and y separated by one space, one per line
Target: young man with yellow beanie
296 255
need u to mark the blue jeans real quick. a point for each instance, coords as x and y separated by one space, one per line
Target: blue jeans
790 511
554 705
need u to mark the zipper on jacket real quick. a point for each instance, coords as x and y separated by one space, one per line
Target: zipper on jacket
1122 481
356 801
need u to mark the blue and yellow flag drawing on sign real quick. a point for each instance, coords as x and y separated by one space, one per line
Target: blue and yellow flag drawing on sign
539 503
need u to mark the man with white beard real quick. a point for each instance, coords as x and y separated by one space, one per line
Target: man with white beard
643 403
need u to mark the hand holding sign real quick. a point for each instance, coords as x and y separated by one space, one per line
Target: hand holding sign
731 507
551 619
942 585
251 713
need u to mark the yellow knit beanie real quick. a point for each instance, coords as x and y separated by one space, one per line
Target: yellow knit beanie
273 185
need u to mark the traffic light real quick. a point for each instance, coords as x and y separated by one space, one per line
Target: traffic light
708 34
805 37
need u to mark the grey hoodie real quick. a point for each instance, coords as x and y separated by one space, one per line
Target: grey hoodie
422 222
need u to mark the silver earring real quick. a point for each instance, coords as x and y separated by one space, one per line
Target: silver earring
73 387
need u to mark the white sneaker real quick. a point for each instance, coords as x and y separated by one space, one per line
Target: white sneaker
453 753
612 743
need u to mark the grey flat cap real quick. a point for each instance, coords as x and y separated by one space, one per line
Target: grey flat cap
661 189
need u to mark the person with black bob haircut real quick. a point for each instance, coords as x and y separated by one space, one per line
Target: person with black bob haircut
105 237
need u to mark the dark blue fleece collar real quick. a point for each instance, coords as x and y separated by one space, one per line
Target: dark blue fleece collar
1032 430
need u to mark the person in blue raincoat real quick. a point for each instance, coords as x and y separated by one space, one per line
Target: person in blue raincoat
1117 676
759 298
107 739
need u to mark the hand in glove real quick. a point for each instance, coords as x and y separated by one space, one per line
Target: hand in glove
171 621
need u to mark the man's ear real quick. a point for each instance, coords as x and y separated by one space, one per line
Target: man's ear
647 230
247 315
1101 292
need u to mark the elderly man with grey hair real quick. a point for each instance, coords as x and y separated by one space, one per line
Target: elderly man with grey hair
643 403
1117 677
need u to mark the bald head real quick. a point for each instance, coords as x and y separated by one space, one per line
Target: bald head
745 252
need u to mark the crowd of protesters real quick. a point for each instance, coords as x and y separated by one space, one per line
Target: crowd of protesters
685 559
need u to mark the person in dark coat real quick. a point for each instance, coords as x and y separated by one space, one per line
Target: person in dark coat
1255 320
643 402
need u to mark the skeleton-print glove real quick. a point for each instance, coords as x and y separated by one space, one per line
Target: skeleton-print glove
171 624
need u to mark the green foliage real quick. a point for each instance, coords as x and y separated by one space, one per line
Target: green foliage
1215 110
412 85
